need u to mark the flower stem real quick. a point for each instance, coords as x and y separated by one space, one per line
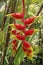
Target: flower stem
23 4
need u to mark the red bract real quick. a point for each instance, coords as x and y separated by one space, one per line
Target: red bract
27 47
29 52
24 48
26 44
28 21
29 32
16 15
14 42
14 48
19 26
20 37
13 32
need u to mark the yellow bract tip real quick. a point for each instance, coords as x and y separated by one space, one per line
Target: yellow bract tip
12 25
30 57
15 37
8 15
36 30
36 16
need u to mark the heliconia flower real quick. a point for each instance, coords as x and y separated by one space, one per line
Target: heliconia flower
16 15
14 44
14 48
27 48
18 26
29 20
29 52
13 32
16 32
30 32
26 44
24 48
20 37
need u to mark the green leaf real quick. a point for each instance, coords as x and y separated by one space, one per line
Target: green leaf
19 57
2 37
